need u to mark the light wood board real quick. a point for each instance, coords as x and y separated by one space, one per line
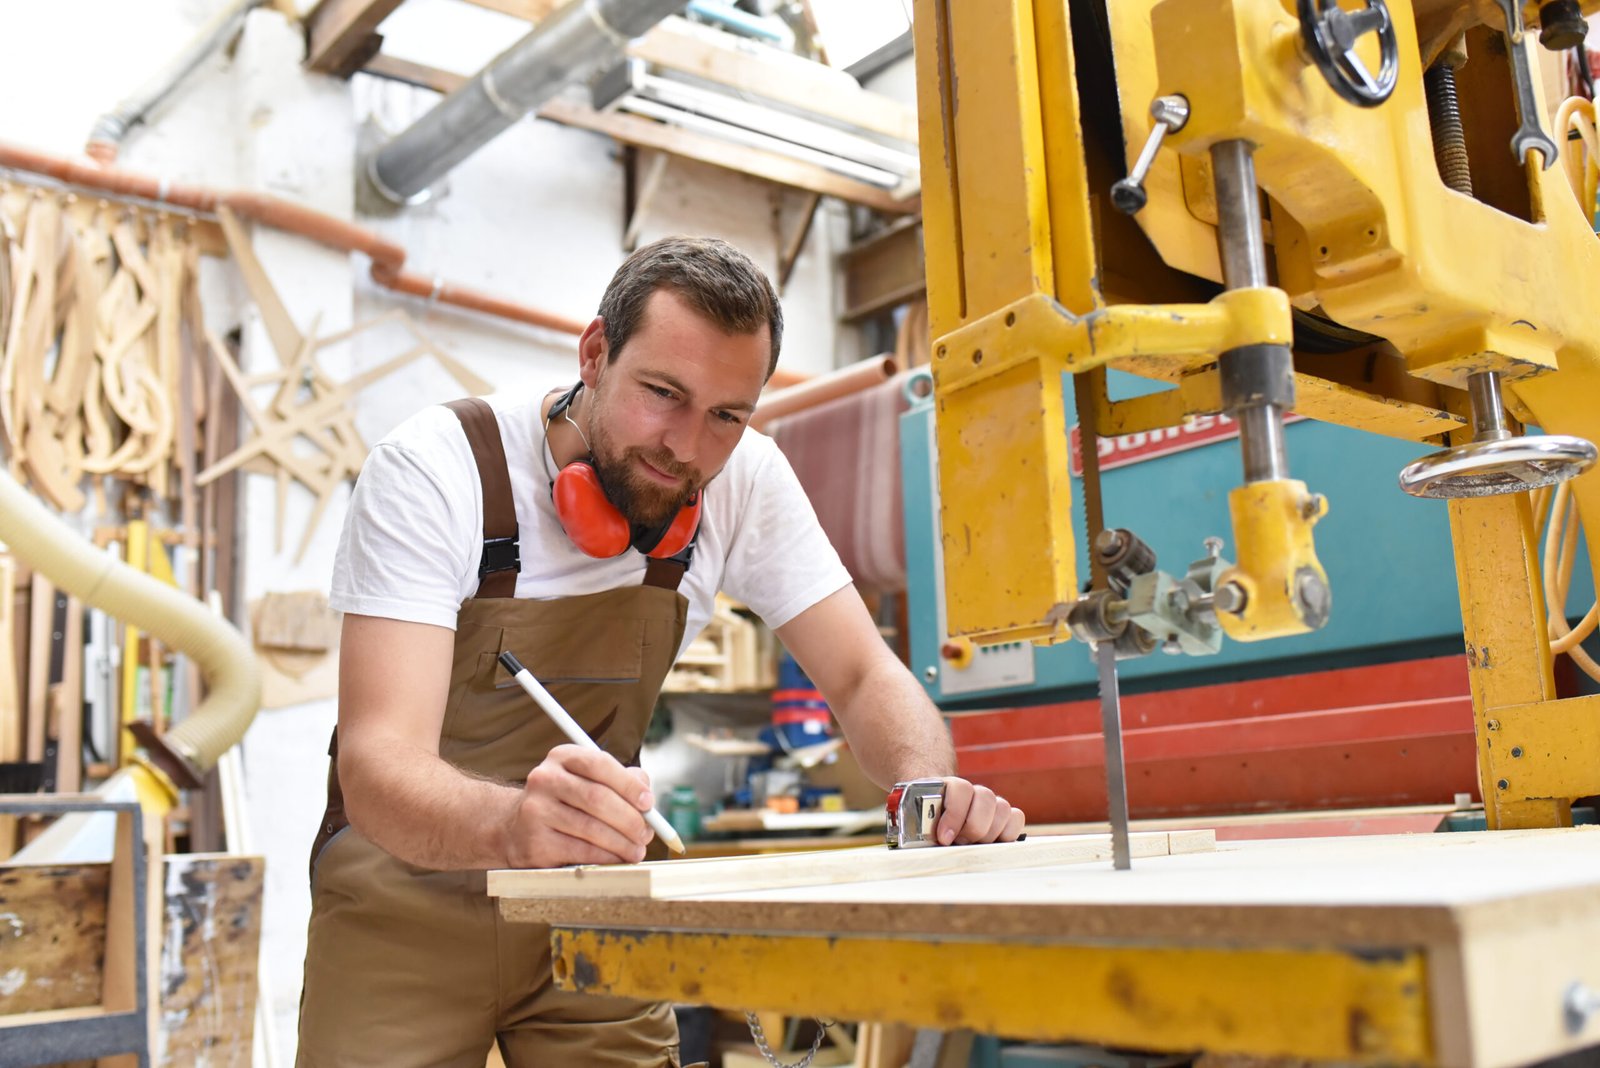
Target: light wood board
1383 887
719 875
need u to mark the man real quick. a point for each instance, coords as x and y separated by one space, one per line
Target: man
588 531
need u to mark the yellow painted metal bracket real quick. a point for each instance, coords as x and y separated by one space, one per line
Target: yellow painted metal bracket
1548 750
1286 590
1037 326
1313 1002
1005 493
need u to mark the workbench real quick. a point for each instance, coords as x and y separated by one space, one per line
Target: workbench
1454 949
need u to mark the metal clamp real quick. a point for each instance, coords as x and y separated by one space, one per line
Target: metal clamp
1170 114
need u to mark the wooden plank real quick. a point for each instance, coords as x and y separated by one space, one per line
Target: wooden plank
285 337
52 936
745 820
211 945
10 697
884 270
69 702
1393 889
811 87
647 133
527 10
41 606
339 33
729 874
118 991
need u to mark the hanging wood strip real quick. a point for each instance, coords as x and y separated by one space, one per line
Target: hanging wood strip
93 345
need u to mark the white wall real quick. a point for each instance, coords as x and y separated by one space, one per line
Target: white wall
536 216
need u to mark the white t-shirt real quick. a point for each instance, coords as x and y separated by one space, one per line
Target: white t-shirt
414 532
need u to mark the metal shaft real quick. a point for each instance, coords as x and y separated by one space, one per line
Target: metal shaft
1488 408
1261 440
1105 655
1239 238
1257 380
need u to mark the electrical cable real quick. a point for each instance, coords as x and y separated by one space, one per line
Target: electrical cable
1560 554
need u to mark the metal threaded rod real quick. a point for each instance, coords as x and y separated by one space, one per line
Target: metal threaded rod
1449 137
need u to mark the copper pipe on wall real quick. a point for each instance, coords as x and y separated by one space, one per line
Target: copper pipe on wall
823 388
387 258
461 297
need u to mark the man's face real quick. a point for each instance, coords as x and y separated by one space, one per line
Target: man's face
665 416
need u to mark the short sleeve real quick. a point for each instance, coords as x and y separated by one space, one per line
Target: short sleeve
404 550
780 561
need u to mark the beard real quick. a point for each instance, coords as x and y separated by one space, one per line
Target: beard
644 502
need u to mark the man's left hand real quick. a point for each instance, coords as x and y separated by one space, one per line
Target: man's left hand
974 814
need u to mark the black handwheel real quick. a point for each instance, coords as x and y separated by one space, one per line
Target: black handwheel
1331 33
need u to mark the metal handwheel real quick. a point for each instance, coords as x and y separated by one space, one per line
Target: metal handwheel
1330 35
1494 461
1485 468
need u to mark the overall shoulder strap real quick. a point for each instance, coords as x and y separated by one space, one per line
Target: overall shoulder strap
501 558
668 573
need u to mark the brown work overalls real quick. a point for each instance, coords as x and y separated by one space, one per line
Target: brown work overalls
407 966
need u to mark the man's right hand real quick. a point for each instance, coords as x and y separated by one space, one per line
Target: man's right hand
580 807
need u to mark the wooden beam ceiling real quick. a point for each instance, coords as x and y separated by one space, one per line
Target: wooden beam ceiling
341 35
647 133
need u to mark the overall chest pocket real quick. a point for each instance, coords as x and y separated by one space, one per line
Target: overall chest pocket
611 651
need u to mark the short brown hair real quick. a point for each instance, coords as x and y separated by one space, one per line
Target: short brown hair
717 280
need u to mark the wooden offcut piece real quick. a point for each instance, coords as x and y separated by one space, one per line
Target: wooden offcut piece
211 943
716 875
300 620
527 10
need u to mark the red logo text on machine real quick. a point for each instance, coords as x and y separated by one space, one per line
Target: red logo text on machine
1127 449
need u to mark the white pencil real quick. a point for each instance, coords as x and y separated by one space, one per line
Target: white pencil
577 736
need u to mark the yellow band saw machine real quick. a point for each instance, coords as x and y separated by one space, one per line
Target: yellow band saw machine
1357 211
1378 176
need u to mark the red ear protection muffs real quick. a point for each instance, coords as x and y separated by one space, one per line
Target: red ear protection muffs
593 522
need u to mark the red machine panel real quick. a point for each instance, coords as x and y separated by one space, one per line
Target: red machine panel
1390 734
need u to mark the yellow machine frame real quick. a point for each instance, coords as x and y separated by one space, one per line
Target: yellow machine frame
1027 267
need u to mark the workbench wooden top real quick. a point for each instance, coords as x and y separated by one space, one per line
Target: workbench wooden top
1412 889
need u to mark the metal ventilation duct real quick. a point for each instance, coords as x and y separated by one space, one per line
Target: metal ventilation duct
569 47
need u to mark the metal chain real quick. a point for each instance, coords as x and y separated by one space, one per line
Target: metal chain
772 1058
